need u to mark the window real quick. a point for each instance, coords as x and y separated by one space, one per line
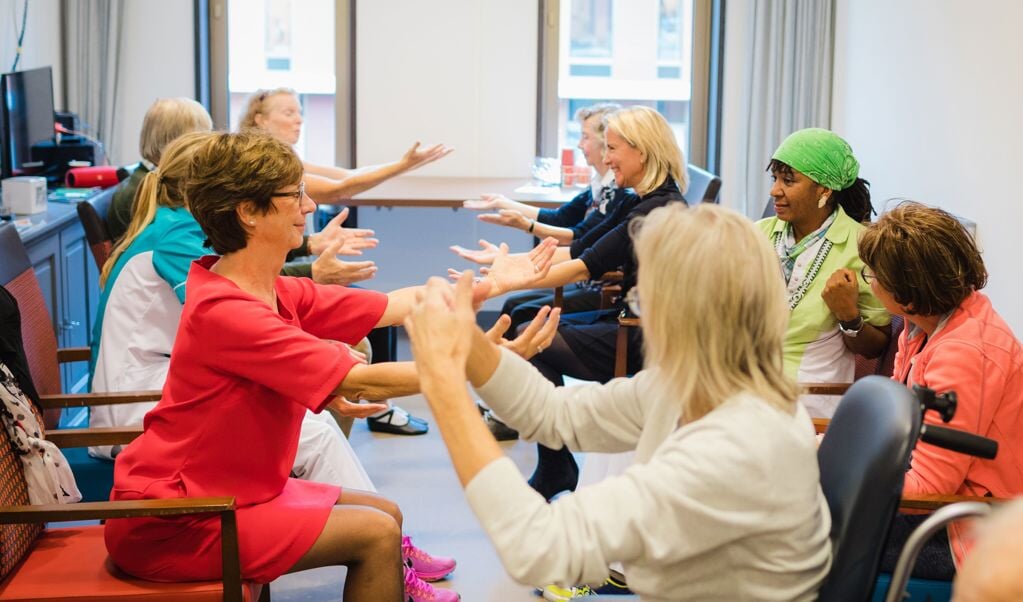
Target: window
630 52
286 43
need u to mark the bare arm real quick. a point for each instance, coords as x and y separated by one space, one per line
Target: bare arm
379 381
334 184
492 202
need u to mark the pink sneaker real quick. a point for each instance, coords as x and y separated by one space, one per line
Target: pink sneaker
417 590
429 568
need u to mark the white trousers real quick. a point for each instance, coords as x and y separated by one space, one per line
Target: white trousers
325 456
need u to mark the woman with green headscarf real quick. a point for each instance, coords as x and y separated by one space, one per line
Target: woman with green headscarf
820 204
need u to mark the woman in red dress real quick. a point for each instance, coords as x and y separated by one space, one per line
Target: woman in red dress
253 351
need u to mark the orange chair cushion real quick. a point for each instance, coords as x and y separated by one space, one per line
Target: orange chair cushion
72 564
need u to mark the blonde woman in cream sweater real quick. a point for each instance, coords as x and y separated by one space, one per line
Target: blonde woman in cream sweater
723 501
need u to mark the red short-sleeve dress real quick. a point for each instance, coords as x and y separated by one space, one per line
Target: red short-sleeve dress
241 378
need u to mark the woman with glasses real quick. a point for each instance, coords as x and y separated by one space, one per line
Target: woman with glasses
820 203
723 501
253 352
923 265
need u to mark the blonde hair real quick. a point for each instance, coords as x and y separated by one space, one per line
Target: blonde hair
598 110
168 118
256 105
163 187
711 342
648 131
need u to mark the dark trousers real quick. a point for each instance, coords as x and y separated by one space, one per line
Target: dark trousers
523 307
935 560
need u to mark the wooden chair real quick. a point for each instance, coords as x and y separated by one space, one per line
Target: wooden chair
92 214
39 563
94 476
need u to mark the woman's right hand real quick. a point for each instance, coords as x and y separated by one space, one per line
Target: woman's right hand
356 410
489 202
486 255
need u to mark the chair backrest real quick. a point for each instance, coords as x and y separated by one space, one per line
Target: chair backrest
93 215
15 540
703 185
768 209
18 277
863 462
884 364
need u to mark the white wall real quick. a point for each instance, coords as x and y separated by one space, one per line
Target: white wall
41 45
462 72
157 60
930 95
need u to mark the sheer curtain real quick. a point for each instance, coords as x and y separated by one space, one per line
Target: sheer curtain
93 33
786 83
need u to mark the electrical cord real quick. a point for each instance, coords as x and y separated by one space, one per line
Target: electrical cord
21 37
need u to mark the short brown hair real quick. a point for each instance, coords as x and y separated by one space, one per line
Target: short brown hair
256 105
924 257
230 169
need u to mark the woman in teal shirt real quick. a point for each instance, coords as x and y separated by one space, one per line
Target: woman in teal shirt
820 203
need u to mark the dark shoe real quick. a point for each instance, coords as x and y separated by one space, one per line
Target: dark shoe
392 421
613 587
482 409
500 430
556 471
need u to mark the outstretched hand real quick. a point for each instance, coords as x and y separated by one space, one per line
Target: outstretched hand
440 328
416 157
488 202
534 338
506 217
484 256
353 240
328 269
356 410
513 272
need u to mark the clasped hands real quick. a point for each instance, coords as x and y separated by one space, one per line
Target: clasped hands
442 330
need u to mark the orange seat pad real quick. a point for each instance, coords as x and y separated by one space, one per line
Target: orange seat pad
72 564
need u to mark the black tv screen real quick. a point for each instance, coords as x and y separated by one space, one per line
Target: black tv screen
27 118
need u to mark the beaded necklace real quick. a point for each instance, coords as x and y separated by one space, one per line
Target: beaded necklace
815 266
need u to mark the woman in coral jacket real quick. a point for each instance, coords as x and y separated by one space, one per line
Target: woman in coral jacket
923 264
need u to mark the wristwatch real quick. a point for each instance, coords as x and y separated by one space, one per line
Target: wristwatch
852 327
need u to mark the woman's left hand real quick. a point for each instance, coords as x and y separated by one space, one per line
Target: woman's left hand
506 217
440 328
534 338
416 157
841 294
513 272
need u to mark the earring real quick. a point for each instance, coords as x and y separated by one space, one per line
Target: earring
822 202
253 223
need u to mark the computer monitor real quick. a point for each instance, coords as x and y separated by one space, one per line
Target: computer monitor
26 119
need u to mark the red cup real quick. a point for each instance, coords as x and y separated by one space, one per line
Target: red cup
568 156
567 175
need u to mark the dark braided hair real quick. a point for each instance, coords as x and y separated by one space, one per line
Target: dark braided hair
855 199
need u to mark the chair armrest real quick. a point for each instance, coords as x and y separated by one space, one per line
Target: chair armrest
559 296
45 513
820 425
629 322
73 354
931 501
97 435
224 506
825 388
76 400
614 276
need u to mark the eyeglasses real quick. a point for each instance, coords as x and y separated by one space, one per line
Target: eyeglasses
298 194
868 274
632 300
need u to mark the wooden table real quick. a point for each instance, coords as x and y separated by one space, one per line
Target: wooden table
420 191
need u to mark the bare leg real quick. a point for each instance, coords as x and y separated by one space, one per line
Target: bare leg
363 532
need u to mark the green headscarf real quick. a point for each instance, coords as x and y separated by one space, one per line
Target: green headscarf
820 155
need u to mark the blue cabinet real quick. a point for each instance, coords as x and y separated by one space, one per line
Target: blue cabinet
69 280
